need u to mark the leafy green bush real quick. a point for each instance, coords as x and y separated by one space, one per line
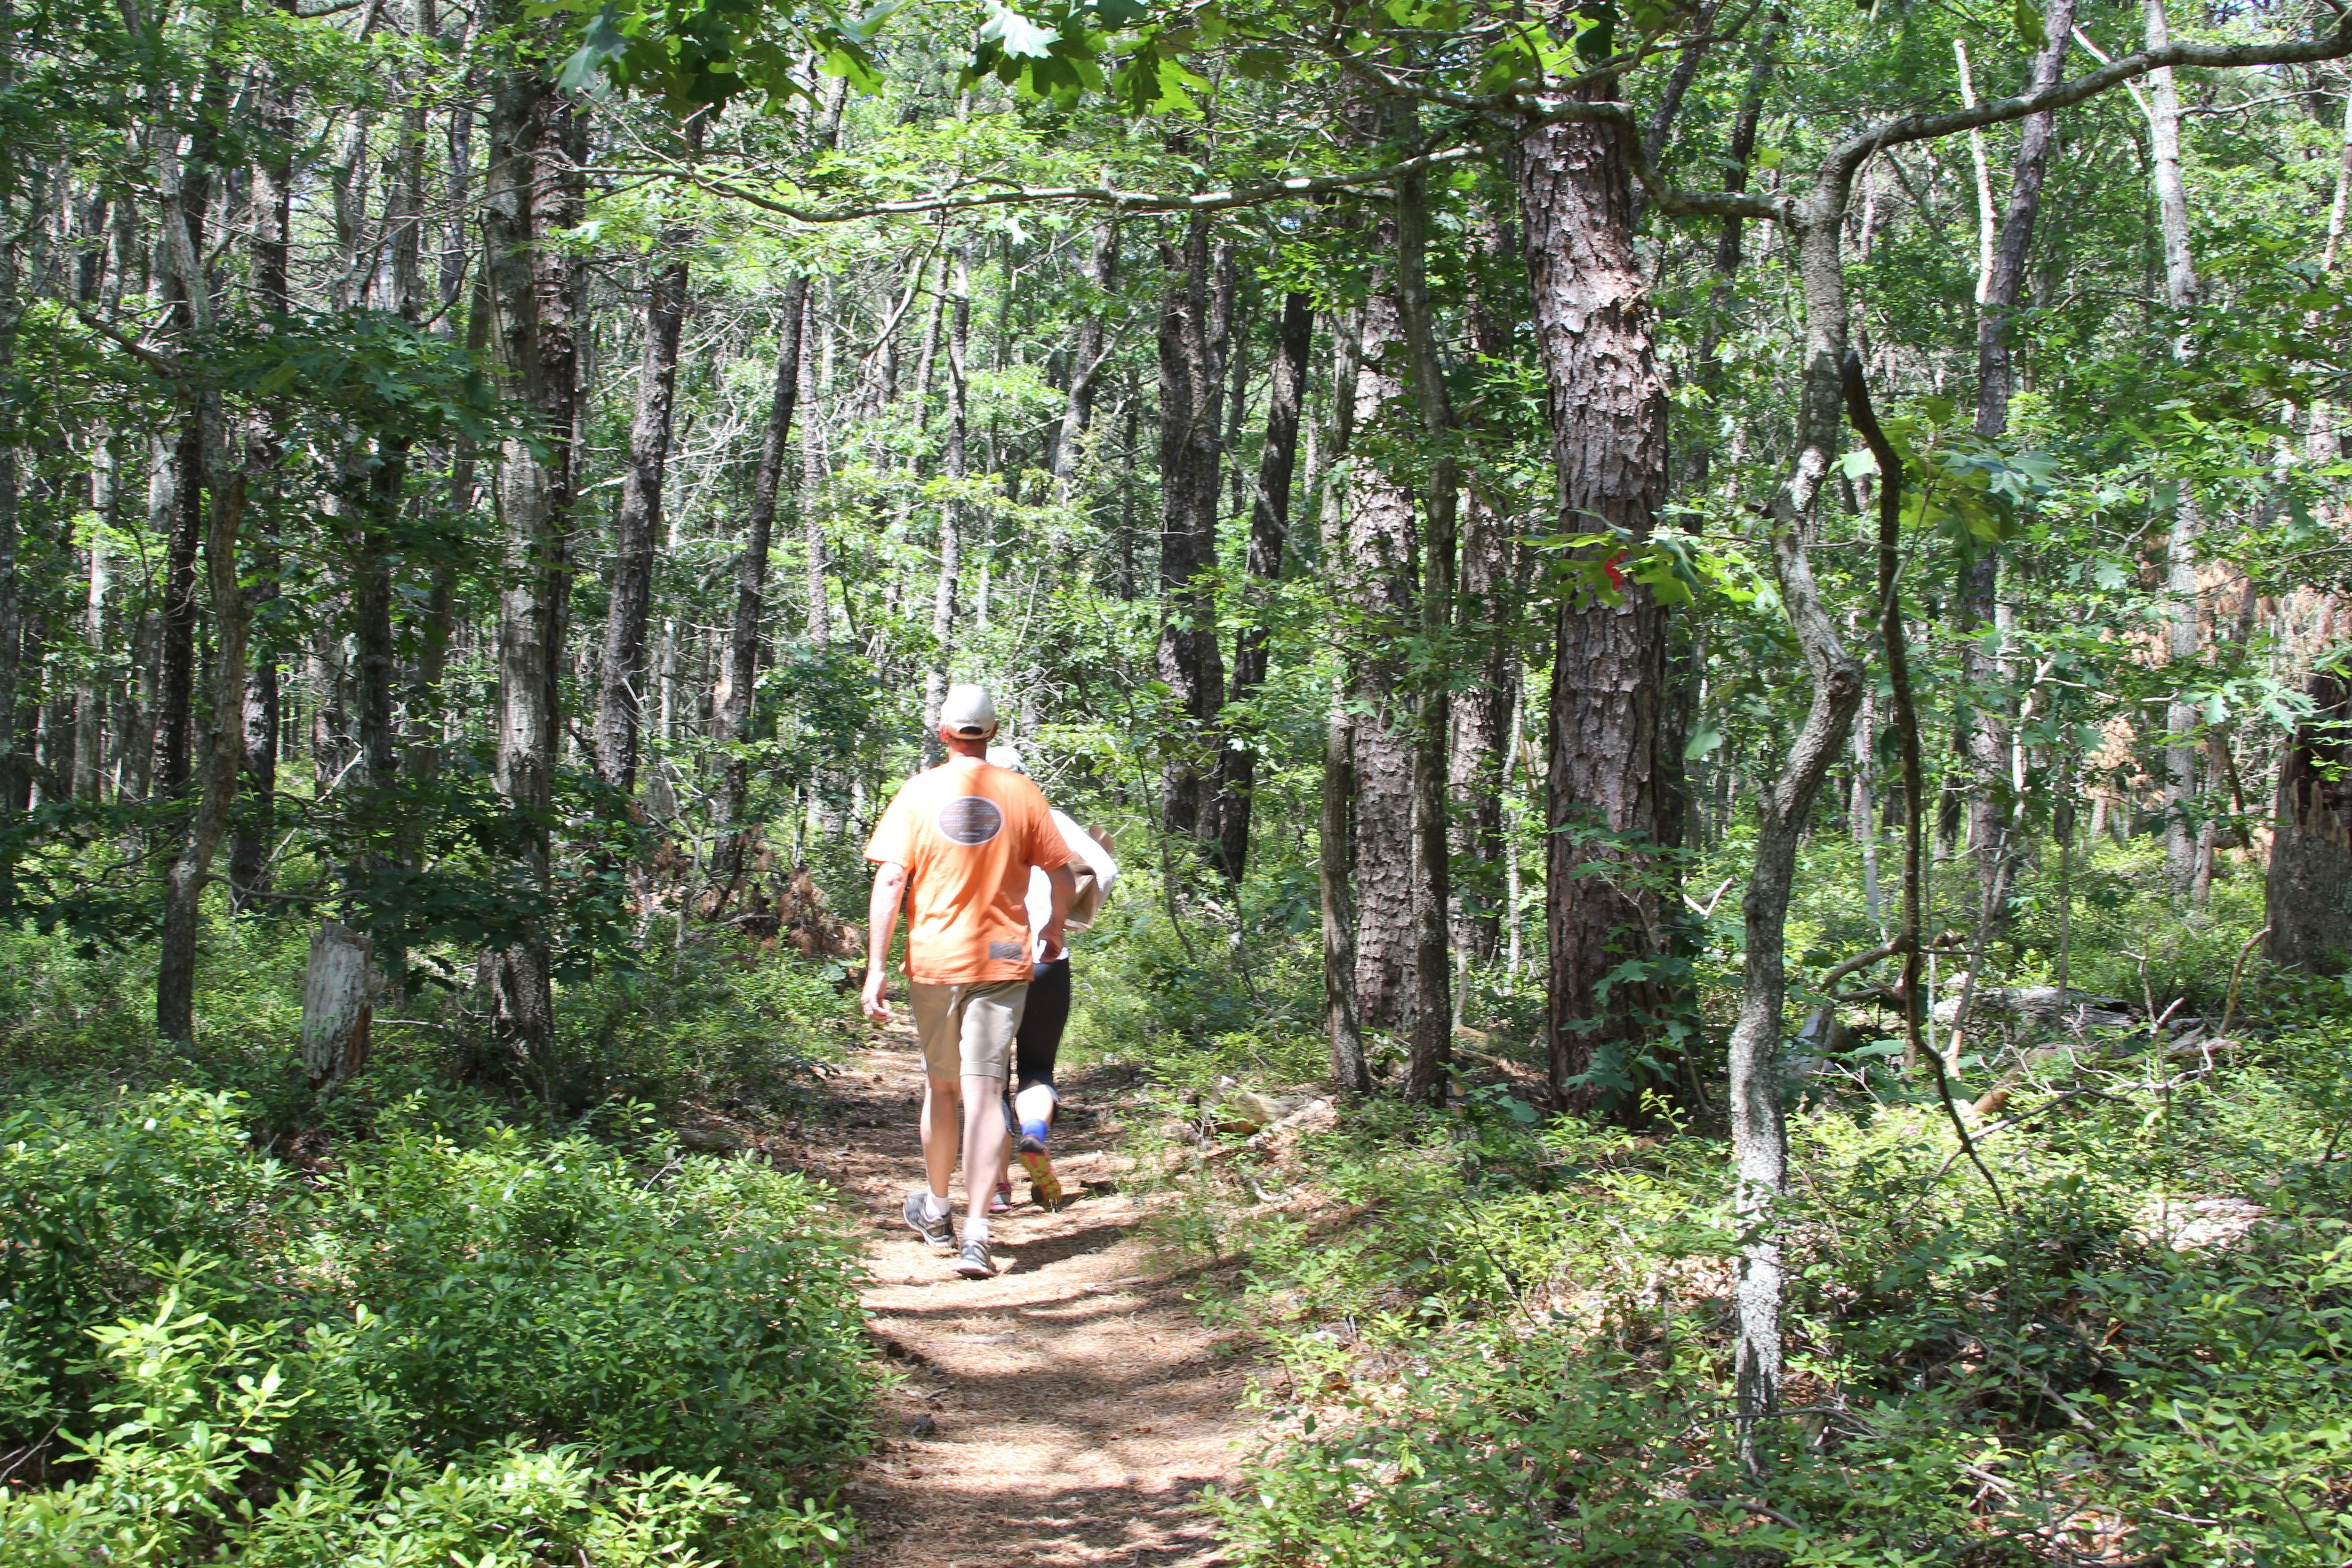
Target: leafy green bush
526 1346
185 1471
1520 1352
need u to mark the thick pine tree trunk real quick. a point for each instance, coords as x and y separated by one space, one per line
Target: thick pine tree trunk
1236 772
731 701
1608 415
1194 323
1382 582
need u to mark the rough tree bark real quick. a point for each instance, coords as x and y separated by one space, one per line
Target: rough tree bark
1428 1073
1608 415
531 193
1195 320
1379 579
1237 769
1334 835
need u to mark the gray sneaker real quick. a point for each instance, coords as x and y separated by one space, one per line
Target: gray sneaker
938 1232
973 1262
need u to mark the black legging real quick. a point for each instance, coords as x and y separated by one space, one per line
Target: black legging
1043 1019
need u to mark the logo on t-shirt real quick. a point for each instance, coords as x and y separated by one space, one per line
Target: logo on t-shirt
969 819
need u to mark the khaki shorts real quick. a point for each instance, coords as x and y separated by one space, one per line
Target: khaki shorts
968 1030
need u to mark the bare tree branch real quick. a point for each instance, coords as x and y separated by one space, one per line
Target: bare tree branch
1105 195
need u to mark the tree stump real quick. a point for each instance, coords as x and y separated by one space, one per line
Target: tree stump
337 1003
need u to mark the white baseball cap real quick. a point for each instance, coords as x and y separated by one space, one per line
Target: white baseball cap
1006 756
968 712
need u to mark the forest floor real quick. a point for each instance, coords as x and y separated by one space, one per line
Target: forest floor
1066 1412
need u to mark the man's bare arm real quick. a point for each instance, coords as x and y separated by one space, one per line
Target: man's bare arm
1066 888
881 921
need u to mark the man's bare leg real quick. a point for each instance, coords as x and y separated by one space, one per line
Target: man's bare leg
940 1097
984 1147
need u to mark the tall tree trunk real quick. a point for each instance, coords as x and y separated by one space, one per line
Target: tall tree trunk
954 458
731 703
183 188
1085 361
815 367
90 701
270 196
1428 1074
1759 1145
1236 772
620 705
1608 416
175 960
1194 324
12 617
531 195
1490 612
174 697
1381 579
2181 292
1334 838
1983 671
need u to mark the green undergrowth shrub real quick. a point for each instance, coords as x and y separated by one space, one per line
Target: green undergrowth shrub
515 1347
714 1024
1514 1345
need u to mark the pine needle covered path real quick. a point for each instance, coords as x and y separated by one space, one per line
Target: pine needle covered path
1066 1412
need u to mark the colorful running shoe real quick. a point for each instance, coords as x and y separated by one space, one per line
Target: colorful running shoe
1044 1185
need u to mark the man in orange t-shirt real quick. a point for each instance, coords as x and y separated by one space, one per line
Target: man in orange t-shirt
957 843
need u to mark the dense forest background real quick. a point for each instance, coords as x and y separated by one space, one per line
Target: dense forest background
1726 619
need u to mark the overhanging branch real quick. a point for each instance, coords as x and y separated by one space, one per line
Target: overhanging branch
1852 153
1104 196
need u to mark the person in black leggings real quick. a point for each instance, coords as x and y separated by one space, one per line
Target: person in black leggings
1029 1109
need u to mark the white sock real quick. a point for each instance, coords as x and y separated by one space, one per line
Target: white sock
934 1205
976 1229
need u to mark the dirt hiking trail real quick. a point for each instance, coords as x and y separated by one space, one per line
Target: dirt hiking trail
1067 1412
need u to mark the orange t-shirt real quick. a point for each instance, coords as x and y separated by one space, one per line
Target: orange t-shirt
968 834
